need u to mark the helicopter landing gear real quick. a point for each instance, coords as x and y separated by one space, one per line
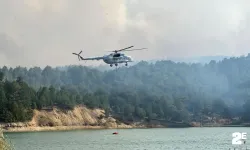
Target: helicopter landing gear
111 65
126 64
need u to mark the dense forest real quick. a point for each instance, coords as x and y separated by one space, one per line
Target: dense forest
162 90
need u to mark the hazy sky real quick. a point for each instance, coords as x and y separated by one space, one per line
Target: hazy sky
46 32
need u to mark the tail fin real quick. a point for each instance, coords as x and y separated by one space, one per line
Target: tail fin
79 56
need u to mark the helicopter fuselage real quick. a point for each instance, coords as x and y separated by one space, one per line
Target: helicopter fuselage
116 58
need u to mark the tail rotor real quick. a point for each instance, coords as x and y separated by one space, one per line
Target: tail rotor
79 55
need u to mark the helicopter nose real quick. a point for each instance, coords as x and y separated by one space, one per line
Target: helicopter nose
130 59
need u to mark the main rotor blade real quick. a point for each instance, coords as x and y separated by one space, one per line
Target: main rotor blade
80 52
124 48
74 53
136 49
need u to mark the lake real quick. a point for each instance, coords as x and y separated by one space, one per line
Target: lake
129 139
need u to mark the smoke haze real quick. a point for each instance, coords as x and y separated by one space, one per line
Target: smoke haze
46 32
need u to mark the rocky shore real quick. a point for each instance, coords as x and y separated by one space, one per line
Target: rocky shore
78 118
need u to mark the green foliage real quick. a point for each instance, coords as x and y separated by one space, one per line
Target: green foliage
1 76
164 90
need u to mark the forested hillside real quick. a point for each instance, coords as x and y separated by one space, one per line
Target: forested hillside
163 90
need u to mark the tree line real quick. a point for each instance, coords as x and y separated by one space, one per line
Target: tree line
161 90
17 100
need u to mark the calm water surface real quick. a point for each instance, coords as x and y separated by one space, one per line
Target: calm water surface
129 139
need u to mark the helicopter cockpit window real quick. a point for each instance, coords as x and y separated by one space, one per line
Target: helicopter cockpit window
117 55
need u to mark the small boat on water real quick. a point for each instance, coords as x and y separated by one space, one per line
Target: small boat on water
116 128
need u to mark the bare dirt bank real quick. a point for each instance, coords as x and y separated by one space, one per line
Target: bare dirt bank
55 119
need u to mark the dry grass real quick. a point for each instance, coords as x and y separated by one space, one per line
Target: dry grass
4 145
77 117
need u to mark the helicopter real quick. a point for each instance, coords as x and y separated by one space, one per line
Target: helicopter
113 58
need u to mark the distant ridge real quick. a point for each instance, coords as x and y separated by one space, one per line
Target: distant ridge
201 59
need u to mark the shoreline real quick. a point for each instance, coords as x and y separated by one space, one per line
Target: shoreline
63 128
72 128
